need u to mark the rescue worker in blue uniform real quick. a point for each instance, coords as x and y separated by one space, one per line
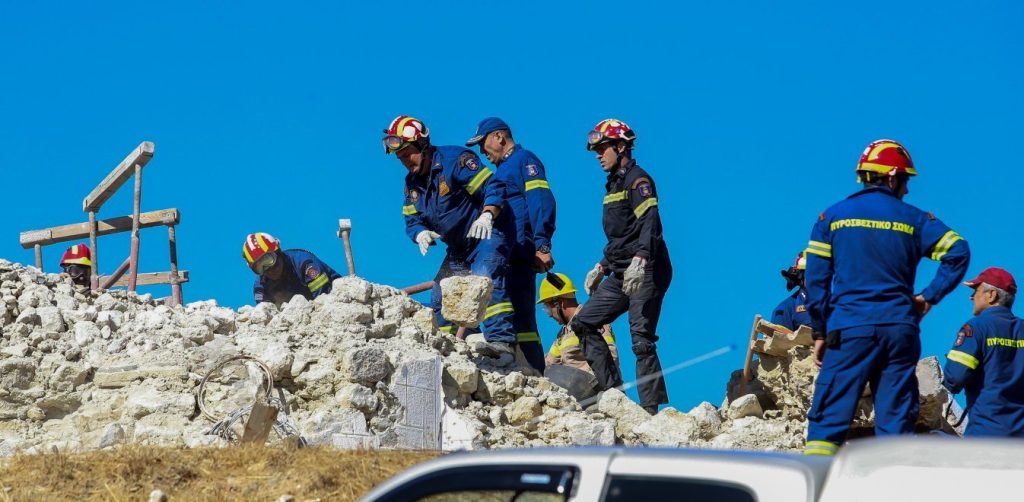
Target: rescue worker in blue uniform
284 273
636 264
861 263
987 359
792 312
533 207
451 196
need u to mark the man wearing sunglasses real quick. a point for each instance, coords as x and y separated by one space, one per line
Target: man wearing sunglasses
567 366
533 208
636 264
451 196
285 273
77 264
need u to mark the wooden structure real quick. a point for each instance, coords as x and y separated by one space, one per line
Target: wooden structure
131 166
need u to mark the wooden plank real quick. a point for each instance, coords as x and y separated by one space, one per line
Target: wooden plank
260 422
118 176
76 231
150 278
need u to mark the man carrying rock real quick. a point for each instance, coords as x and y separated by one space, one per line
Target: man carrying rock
792 312
77 264
451 196
636 263
567 366
284 273
861 263
532 206
987 359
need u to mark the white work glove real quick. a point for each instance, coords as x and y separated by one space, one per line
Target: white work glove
593 279
633 276
481 228
425 239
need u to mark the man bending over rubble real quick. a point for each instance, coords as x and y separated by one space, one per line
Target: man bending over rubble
861 263
567 366
987 359
285 273
451 196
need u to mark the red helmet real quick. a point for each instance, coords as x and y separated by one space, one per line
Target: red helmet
405 130
886 157
801 262
610 130
259 245
78 254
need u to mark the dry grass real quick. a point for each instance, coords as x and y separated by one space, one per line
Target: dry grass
238 473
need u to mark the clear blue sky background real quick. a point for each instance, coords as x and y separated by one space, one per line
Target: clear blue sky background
750 116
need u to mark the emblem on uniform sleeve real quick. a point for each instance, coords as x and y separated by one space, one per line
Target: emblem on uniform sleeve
442 187
965 332
645 190
469 161
414 195
312 272
531 170
801 308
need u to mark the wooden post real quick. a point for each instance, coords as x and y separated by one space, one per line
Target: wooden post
345 232
136 210
175 284
95 279
261 420
39 257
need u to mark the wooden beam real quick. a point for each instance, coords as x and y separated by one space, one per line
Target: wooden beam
75 231
151 278
118 176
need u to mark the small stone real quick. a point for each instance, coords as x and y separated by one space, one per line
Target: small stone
745 406
525 409
157 496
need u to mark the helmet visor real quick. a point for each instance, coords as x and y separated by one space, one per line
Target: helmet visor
594 138
266 262
393 143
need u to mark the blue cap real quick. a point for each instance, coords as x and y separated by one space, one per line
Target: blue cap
487 126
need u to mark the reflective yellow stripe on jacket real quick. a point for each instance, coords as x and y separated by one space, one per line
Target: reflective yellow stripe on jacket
409 210
615 197
478 180
644 206
944 245
318 283
819 248
963 358
498 308
534 184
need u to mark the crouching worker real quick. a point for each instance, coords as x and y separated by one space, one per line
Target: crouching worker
285 273
77 264
566 364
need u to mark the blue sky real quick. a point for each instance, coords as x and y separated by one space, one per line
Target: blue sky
750 116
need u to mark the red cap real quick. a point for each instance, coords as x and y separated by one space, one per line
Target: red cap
995 276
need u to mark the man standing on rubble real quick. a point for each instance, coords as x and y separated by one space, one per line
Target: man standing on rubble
792 312
284 273
451 196
861 263
987 358
77 263
567 366
636 264
533 208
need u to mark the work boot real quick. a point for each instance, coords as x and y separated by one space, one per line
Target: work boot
651 409
496 349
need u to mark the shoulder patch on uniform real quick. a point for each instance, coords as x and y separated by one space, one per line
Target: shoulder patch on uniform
641 180
442 187
801 308
312 272
931 216
965 332
414 195
821 217
469 161
531 170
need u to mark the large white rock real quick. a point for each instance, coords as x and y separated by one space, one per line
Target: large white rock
367 365
464 299
669 428
627 414
745 406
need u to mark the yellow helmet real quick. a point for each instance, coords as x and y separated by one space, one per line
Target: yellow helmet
549 291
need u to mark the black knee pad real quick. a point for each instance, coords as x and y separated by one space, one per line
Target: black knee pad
643 347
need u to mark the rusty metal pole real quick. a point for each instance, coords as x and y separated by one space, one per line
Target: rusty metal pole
136 210
175 285
418 288
113 278
94 280
345 232
39 257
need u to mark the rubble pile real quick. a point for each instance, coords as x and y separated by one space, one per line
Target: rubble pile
361 367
